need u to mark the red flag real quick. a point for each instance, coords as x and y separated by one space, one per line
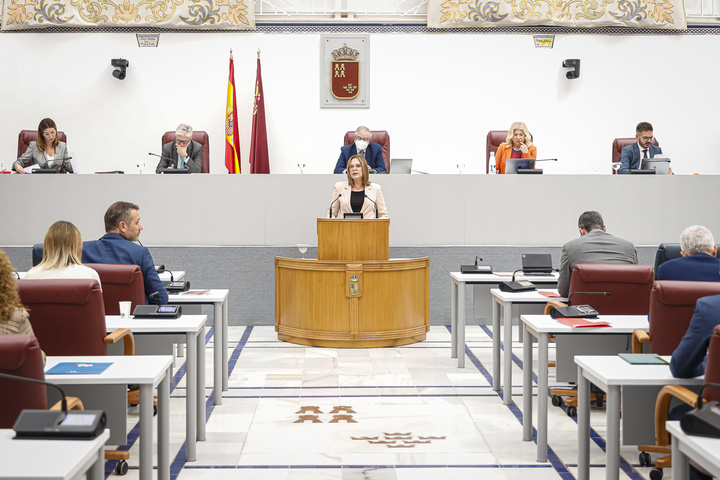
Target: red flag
259 162
232 138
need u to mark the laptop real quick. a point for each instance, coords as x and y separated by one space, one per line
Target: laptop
401 166
537 263
516 165
661 166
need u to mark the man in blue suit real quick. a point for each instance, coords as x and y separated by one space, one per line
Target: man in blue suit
372 152
699 262
122 224
632 155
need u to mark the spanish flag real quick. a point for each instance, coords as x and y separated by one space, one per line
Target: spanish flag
232 138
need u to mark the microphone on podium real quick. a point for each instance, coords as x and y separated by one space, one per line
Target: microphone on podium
373 201
333 203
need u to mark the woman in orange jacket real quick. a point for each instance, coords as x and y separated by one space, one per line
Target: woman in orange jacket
518 144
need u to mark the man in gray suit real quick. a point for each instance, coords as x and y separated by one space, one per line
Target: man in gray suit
595 245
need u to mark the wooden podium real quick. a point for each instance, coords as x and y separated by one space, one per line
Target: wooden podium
352 296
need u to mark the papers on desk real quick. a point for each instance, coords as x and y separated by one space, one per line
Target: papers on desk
583 322
643 358
549 294
195 292
70 368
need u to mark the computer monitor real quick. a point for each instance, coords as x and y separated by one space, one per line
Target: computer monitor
401 166
512 165
660 165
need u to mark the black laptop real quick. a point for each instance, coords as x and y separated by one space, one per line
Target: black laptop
537 264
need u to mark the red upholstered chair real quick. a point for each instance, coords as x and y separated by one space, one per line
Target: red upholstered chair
619 144
494 139
20 355
27 136
381 137
120 283
672 304
68 317
668 392
629 287
200 137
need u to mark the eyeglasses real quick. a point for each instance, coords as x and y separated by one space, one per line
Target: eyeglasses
646 139
358 167
364 139
182 142
49 134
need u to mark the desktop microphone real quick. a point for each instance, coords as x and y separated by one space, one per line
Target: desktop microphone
373 201
79 424
333 203
703 420
176 287
576 311
476 268
514 287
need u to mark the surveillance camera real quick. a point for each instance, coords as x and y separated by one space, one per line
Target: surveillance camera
119 62
119 74
573 63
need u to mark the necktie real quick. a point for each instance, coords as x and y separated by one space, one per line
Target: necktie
645 153
362 153
181 162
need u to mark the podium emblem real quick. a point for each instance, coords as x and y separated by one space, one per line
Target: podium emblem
345 73
354 285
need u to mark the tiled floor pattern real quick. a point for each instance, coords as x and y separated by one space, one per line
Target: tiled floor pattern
295 412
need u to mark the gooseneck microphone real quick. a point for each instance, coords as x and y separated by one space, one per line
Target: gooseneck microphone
333 203
163 157
477 259
42 382
373 201
607 294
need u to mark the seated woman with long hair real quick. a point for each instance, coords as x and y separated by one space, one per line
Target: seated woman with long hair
62 253
518 144
13 315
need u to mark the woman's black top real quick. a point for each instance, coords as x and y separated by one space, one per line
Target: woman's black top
356 200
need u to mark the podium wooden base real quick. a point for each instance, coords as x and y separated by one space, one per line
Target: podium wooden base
380 303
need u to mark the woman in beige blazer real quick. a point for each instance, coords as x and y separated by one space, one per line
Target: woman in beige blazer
358 194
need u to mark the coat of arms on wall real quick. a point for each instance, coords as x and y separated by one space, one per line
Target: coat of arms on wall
345 73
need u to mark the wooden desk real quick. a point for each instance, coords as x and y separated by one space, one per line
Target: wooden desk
61 459
148 372
610 374
344 304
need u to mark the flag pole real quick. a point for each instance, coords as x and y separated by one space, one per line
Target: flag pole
231 57
258 54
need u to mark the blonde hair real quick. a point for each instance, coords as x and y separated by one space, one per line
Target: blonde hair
62 246
9 296
365 172
519 126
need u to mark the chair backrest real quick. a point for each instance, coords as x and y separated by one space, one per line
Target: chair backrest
494 139
20 355
120 283
672 304
665 252
629 287
27 136
67 316
37 254
712 366
200 137
619 144
381 137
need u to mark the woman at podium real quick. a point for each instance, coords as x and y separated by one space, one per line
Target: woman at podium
518 144
48 152
358 195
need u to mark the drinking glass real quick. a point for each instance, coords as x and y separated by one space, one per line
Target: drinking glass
460 167
303 248
301 166
616 166
140 166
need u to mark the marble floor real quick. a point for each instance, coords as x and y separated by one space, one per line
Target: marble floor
295 412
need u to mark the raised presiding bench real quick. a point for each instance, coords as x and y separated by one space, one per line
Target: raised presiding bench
353 297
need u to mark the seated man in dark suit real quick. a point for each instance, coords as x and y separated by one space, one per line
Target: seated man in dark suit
371 152
122 224
595 245
184 152
632 155
699 262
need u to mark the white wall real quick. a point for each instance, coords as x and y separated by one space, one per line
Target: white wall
437 95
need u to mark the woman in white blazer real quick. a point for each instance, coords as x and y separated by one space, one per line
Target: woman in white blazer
48 151
358 194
